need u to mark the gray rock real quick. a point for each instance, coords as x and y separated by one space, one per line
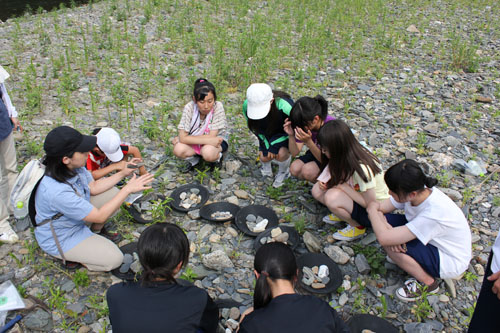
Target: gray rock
68 286
343 299
362 264
370 238
205 231
251 218
337 254
453 194
128 258
363 87
496 212
38 320
312 243
217 260
76 307
194 214
418 328
450 285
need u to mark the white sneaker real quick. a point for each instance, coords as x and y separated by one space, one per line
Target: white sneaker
266 170
280 178
332 219
8 236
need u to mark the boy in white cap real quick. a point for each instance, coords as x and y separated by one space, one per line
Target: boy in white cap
266 111
8 163
110 153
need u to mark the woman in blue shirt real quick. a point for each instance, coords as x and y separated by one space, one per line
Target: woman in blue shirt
62 202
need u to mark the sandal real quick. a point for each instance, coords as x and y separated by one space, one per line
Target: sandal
112 236
70 265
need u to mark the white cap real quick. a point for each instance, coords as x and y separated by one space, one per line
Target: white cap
109 142
259 96
3 75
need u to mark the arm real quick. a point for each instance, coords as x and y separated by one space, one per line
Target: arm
362 198
208 139
293 146
101 185
118 166
136 184
386 234
136 153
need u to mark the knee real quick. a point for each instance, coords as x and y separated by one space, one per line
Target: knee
283 154
310 173
332 196
180 151
209 154
317 192
295 169
114 259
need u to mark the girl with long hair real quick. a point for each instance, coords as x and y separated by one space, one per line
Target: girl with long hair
351 179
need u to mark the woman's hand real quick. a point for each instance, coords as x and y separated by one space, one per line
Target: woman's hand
17 124
175 140
287 127
398 248
125 170
322 186
215 141
302 135
137 184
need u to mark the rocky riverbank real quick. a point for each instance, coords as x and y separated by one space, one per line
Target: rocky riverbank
426 87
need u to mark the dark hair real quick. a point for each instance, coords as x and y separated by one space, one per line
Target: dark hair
161 248
96 130
55 168
274 261
201 89
346 153
273 121
407 176
306 108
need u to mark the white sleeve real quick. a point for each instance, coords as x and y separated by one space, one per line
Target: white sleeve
396 204
424 228
8 103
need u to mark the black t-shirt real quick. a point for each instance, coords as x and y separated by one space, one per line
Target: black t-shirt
294 313
163 307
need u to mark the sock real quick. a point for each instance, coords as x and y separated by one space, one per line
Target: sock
266 166
193 159
283 166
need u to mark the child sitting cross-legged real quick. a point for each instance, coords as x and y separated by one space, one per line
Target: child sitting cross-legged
432 240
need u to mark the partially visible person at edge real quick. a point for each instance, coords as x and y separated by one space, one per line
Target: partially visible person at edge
307 116
351 179
202 129
485 318
110 154
68 199
266 111
8 163
158 303
276 306
431 240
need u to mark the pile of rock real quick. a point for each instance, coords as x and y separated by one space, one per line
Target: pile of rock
316 277
256 223
277 235
131 262
221 215
190 199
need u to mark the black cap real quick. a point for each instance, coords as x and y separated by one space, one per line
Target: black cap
63 140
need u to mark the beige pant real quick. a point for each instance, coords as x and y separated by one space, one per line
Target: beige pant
97 253
8 174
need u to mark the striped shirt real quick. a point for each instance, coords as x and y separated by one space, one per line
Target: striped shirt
219 121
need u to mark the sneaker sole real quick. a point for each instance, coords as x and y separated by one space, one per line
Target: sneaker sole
413 299
279 184
330 222
345 238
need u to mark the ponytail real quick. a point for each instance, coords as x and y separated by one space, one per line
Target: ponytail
324 106
262 295
272 261
407 176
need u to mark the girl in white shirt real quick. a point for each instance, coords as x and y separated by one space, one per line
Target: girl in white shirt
432 240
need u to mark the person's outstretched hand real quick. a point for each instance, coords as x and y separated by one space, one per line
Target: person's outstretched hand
136 184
